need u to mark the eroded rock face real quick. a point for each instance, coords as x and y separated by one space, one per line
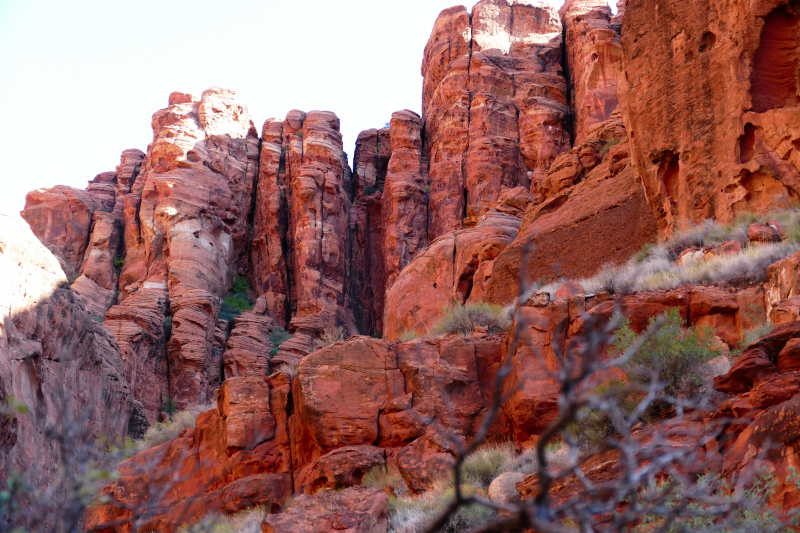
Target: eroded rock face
455 267
494 105
405 198
367 278
54 358
706 142
61 218
249 348
301 247
185 230
367 392
595 212
594 60
236 457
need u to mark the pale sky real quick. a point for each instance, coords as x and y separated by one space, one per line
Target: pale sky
80 79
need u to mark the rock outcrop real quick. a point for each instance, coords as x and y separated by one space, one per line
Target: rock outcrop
594 212
185 230
236 457
710 102
57 361
594 61
308 187
494 105
456 267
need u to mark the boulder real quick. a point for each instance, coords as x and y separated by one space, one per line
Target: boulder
339 469
353 510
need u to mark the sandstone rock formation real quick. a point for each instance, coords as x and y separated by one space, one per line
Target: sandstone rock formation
61 217
595 212
307 263
455 267
494 104
185 228
711 106
237 456
594 61
59 363
355 510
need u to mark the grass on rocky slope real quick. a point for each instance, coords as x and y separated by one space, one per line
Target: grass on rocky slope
463 320
654 267
247 521
161 432
410 513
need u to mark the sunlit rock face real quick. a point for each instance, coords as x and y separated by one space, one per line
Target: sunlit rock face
494 105
711 105
185 228
594 60
54 359
301 231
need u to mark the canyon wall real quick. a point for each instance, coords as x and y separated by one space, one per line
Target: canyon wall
711 105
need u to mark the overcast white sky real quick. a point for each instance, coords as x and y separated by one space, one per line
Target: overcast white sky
80 79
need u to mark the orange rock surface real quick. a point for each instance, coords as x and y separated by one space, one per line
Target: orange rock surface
494 105
710 103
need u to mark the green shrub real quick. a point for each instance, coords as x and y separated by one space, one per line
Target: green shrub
169 406
240 285
462 319
234 305
675 352
167 324
71 279
278 337
118 261
300 134
608 145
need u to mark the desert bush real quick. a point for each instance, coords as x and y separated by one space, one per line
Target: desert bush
278 336
415 514
234 305
408 335
462 319
331 335
162 432
654 267
754 516
486 463
675 352
118 261
608 145
238 301
383 477
247 521
240 285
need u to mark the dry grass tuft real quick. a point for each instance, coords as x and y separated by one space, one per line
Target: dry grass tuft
654 267
462 319
162 432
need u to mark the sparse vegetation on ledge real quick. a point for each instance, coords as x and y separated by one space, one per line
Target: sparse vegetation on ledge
161 432
656 267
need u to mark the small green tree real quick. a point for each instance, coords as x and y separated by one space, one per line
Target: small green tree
675 352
